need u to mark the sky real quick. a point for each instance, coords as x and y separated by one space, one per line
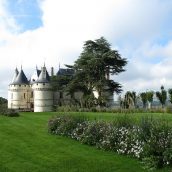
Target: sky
53 31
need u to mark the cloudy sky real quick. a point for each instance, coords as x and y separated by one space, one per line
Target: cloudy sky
34 31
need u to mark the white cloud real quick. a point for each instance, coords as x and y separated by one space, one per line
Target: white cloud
134 26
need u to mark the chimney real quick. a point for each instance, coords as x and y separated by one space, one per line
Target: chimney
52 71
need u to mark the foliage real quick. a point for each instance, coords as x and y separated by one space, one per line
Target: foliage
122 137
3 100
64 125
150 97
59 82
129 100
10 113
93 68
168 109
144 98
162 96
170 94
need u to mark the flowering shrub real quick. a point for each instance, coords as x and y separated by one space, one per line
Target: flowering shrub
64 125
149 140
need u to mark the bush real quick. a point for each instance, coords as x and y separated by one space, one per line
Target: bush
64 125
8 112
169 109
11 113
150 140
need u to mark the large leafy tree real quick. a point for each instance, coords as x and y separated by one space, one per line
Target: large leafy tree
150 98
162 96
94 66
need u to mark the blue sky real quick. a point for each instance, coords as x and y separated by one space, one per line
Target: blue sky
54 31
27 13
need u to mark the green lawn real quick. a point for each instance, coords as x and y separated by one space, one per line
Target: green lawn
25 145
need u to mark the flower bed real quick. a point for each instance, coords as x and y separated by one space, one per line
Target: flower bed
149 140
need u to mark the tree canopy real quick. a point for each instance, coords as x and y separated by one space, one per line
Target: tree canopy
162 96
93 69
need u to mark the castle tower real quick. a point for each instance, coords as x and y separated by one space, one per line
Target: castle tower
19 92
43 95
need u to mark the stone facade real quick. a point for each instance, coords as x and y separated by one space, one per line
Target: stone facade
34 95
37 94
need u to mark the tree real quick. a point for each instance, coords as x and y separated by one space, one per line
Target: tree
134 97
94 66
129 100
3 100
170 94
144 99
150 98
162 96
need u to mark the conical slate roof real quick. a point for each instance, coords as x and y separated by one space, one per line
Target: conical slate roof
20 79
44 76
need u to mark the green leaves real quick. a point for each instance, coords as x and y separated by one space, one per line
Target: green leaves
162 96
94 66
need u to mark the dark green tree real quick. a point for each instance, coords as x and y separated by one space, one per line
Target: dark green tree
3 100
150 98
94 66
170 94
162 96
144 98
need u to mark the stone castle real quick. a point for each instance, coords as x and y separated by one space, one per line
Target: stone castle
37 94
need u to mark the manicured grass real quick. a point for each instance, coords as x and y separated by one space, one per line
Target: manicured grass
25 145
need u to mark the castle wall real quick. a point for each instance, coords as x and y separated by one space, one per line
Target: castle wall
43 97
62 98
19 97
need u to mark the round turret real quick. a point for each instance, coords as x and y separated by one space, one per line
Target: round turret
19 92
43 95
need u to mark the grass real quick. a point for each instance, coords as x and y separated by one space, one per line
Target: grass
25 145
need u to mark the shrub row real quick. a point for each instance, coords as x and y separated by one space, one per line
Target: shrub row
8 112
150 140
71 108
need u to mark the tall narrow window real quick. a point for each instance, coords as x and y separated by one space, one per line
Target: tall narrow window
24 95
11 95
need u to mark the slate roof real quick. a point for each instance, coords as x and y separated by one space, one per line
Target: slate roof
35 76
38 72
65 72
20 79
43 76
